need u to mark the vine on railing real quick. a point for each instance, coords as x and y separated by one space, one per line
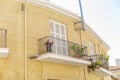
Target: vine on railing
100 61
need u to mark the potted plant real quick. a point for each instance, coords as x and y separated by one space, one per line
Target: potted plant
94 65
49 45
104 60
78 51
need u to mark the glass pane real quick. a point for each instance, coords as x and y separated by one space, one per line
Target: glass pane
57 28
52 34
58 36
63 43
62 30
59 50
51 39
92 49
53 48
51 26
64 51
63 37
58 42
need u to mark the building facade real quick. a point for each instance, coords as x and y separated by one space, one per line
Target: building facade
41 41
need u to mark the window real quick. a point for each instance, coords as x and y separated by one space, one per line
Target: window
92 51
58 31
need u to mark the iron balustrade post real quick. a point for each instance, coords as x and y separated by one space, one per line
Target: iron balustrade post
5 37
38 47
0 38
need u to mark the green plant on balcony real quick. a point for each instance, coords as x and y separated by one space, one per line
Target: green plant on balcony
78 51
104 60
94 65
102 57
49 46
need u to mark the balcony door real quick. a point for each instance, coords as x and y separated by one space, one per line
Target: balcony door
58 31
92 51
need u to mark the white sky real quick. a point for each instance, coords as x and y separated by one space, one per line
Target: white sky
104 18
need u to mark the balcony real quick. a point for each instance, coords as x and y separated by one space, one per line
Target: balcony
56 50
3 50
103 64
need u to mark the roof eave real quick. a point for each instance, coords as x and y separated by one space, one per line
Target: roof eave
64 11
52 6
97 36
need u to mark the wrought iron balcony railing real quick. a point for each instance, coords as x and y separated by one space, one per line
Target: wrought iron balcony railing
61 47
103 60
3 36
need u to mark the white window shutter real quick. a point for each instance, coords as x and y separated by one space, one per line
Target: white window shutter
51 26
62 30
58 30
92 51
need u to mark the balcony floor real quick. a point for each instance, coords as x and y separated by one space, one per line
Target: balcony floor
103 72
4 52
63 59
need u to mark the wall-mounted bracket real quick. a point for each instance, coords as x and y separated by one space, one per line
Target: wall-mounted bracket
77 22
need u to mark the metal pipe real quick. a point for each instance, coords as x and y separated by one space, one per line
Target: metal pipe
5 37
0 38
81 12
25 38
85 73
99 46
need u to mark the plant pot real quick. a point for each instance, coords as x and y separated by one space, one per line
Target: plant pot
72 53
97 66
77 56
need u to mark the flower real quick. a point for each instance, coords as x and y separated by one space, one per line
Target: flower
48 43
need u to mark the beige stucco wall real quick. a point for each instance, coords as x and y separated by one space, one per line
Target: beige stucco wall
11 18
37 19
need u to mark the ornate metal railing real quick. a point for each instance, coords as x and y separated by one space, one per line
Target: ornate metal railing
102 60
3 36
61 47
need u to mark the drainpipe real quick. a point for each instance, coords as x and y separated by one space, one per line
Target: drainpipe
85 73
83 28
82 22
5 38
80 32
99 46
25 38
82 17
